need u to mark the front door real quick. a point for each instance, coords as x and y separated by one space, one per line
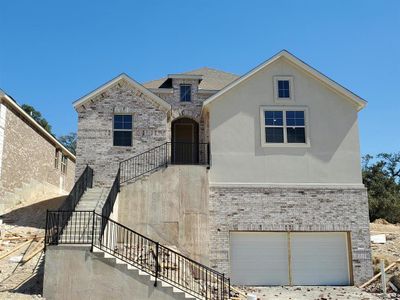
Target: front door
184 145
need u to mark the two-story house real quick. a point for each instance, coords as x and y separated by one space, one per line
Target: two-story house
257 176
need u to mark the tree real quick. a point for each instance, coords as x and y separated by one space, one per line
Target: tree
382 179
37 116
69 141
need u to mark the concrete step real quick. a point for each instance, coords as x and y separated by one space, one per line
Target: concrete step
164 284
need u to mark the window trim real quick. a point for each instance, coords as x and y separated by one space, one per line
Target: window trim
291 89
64 164
56 158
285 144
180 92
113 129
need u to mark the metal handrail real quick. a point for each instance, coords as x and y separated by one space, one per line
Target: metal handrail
141 252
168 153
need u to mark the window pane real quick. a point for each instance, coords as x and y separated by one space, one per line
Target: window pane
122 138
296 135
295 118
283 89
273 118
118 118
122 121
273 135
185 93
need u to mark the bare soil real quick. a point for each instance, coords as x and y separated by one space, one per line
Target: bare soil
23 280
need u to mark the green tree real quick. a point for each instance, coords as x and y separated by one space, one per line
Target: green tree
37 116
382 179
69 141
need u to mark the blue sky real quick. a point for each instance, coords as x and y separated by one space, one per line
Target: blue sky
53 52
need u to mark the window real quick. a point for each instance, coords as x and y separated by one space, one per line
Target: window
56 158
284 125
186 93
283 88
122 130
64 161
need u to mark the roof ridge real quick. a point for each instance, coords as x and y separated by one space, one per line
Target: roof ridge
210 68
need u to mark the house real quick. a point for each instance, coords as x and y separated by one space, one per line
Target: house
34 165
256 176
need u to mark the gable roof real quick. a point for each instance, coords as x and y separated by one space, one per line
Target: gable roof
212 79
355 99
24 116
135 84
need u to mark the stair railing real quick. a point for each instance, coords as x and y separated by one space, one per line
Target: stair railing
108 206
139 251
163 155
84 182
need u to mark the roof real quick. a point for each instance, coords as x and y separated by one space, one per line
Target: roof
123 76
7 99
212 79
355 99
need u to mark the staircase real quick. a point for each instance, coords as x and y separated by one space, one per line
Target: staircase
80 221
91 198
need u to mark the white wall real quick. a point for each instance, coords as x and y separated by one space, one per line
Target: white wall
238 157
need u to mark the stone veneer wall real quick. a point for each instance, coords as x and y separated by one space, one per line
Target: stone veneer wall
95 130
294 209
188 109
28 159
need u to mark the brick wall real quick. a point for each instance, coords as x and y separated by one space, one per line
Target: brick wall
290 208
95 130
28 159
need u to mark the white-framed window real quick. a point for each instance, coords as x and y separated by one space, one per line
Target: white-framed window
284 126
64 164
56 158
283 89
122 130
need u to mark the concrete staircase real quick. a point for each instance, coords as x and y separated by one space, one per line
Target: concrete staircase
120 264
91 198
80 225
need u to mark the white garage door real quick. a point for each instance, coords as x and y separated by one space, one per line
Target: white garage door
319 258
264 258
259 258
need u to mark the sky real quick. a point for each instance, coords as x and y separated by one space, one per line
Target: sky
54 52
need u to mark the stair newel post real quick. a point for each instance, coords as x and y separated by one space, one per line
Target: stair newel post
156 263
92 232
166 154
208 154
229 288
45 230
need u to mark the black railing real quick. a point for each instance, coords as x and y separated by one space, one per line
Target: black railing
84 182
162 156
140 252
108 206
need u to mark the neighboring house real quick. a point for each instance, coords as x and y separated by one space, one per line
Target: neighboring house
257 176
34 166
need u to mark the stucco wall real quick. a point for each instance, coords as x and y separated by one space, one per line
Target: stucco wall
294 209
27 166
238 157
76 273
170 206
95 130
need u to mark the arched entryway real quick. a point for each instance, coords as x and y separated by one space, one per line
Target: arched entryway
185 141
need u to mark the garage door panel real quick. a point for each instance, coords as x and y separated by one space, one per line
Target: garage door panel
259 258
319 258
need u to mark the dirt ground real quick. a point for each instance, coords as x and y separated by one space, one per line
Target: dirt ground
25 281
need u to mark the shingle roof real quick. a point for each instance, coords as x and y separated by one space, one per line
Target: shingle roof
212 79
